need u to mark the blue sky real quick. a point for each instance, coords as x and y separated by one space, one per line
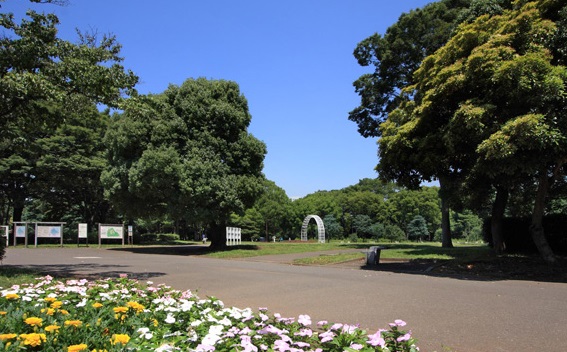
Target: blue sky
292 60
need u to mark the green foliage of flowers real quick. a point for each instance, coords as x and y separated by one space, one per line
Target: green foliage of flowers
123 315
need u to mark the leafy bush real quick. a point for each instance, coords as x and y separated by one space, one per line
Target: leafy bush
168 237
122 315
147 238
393 233
353 237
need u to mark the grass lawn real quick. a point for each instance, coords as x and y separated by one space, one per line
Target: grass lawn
393 250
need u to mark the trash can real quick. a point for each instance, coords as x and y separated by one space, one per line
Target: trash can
373 255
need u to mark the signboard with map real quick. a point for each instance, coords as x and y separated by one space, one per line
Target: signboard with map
48 231
110 232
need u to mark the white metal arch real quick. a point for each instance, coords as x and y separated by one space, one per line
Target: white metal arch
320 228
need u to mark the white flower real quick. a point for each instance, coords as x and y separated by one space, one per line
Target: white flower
170 319
145 333
186 305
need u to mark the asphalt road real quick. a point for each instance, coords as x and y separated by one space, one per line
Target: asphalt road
444 314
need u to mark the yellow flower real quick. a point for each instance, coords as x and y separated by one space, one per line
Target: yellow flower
120 338
50 299
56 304
120 309
3 312
136 306
48 311
33 321
156 322
77 348
12 296
52 328
4 337
33 340
97 305
64 312
75 323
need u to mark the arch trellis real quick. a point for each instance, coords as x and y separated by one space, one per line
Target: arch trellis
320 228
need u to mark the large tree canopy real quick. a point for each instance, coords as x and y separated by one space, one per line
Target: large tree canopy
186 153
43 79
396 55
490 104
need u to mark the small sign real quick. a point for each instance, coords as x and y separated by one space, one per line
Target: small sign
21 231
83 231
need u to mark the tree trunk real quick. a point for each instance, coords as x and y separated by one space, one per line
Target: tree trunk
496 223
447 241
536 227
217 235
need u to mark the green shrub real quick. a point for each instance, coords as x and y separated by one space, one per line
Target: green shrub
168 237
148 238
353 237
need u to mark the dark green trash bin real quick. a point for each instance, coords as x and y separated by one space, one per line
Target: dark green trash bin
373 255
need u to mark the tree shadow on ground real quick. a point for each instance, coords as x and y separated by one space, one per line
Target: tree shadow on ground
82 271
182 250
496 268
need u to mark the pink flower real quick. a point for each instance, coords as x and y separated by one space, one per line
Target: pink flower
304 332
304 320
281 345
326 336
356 346
377 339
400 322
405 337
322 322
336 326
349 329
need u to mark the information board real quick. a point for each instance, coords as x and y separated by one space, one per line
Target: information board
83 231
111 232
48 231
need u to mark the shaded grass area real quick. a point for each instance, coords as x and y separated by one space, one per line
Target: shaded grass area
391 250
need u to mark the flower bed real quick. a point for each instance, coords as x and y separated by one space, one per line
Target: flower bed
123 315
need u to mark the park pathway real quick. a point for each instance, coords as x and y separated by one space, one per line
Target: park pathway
445 314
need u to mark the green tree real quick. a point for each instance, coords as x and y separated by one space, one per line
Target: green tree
69 164
395 57
489 105
393 233
274 205
186 152
417 228
333 228
362 225
40 76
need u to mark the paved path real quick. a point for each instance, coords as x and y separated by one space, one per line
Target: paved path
445 314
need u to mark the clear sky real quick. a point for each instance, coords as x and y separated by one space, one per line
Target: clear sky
292 60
